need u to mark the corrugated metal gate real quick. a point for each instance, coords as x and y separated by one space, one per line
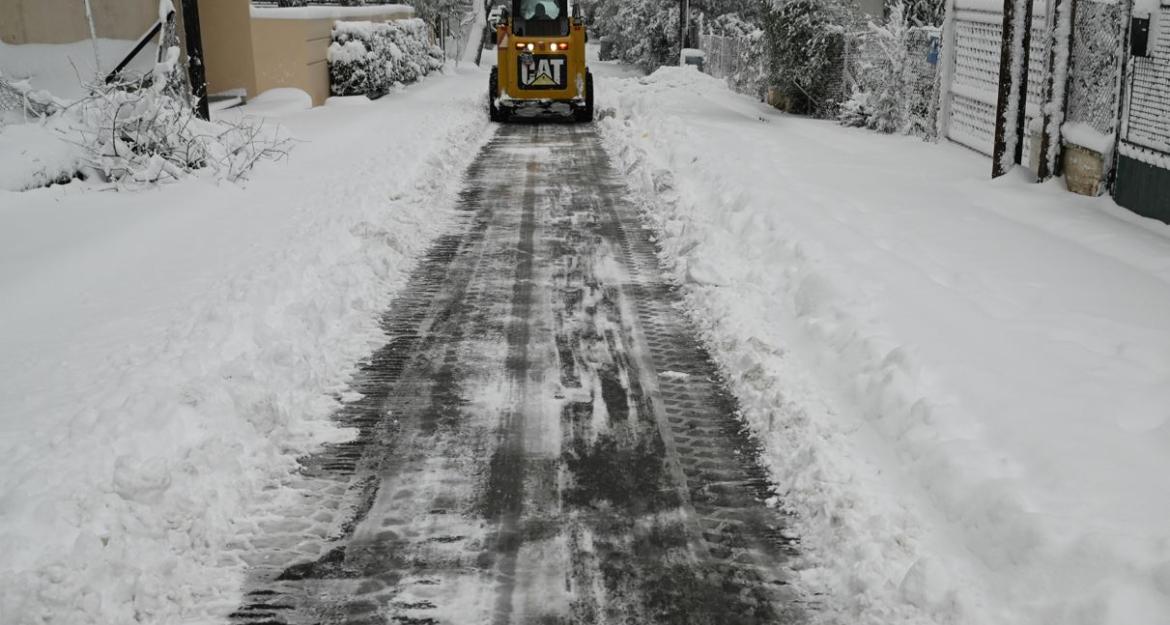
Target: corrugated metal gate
1143 168
974 85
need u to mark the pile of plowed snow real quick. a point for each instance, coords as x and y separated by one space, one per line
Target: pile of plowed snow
963 385
166 355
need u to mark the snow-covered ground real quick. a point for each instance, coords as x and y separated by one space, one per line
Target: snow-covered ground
167 354
963 385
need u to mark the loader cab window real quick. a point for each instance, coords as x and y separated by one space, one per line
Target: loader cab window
540 18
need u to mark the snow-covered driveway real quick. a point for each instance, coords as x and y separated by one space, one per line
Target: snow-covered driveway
964 385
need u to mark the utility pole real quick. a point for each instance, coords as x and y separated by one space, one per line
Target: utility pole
195 68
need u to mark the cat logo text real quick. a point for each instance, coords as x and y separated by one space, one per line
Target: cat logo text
543 72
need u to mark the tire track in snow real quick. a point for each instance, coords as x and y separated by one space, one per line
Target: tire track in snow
543 440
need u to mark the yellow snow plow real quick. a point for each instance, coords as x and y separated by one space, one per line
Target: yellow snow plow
540 67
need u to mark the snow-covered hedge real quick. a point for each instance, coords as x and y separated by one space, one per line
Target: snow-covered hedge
370 57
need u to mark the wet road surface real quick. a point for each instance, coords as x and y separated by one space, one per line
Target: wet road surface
543 440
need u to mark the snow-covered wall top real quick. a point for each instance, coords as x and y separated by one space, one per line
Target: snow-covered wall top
334 12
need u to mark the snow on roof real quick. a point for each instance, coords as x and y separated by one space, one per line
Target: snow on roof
332 12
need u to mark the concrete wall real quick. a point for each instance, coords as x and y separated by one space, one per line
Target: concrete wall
64 21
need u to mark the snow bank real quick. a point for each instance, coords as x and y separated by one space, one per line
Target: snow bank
36 154
962 385
280 101
166 355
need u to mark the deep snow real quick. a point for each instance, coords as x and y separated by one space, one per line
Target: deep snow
167 354
963 385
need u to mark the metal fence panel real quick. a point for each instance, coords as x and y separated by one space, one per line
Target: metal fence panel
974 91
1148 107
1096 55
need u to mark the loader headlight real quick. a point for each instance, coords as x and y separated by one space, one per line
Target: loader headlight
531 47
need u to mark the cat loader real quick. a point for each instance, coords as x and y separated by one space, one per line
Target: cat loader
540 68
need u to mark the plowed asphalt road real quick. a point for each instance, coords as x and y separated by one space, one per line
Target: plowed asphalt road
544 439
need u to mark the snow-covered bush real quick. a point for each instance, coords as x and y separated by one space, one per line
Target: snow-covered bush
370 57
805 47
145 132
150 136
856 111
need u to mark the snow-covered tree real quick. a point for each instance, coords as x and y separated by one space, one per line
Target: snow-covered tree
642 32
893 91
805 42
881 97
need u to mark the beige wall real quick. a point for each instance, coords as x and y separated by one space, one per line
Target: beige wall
64 21
240 52
292 53
226 28
283 52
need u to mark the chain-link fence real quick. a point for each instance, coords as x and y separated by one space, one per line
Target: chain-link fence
738 60
18 103
1095 66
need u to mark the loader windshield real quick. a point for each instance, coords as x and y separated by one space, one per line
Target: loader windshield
540 18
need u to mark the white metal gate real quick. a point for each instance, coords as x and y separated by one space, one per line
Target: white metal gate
973 87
